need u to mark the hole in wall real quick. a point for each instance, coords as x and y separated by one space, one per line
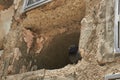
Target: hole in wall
55 55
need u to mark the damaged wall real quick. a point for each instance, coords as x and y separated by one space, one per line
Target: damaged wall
96 40
7 11
97 36
6 14
35 29
5 22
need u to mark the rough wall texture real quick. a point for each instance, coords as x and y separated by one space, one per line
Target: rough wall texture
7 10
97 37
5 23
82 71
58 14
6 14
96 40
35 29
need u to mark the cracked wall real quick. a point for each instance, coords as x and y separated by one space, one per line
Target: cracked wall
95 40
97 36
31 31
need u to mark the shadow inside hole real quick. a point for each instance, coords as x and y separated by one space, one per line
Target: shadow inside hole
55 55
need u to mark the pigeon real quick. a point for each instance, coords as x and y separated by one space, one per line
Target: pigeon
74 55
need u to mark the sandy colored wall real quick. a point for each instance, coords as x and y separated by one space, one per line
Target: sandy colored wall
94 43
97 32
35 29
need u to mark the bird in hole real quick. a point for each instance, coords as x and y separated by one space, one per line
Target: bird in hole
74 54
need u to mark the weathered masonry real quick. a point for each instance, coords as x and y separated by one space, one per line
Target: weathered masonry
56 24
97 32
40 39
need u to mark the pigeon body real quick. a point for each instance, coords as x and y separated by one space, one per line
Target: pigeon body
74 55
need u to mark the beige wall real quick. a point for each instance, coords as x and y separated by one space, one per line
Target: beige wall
97 36
5 21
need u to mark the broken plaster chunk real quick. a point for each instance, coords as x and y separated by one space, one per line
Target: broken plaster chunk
16 54
40 42
28 38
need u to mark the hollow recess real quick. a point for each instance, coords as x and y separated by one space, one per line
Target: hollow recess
55 55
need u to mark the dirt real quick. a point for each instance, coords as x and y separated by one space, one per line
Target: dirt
46 32
57 22
37 29
57 15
